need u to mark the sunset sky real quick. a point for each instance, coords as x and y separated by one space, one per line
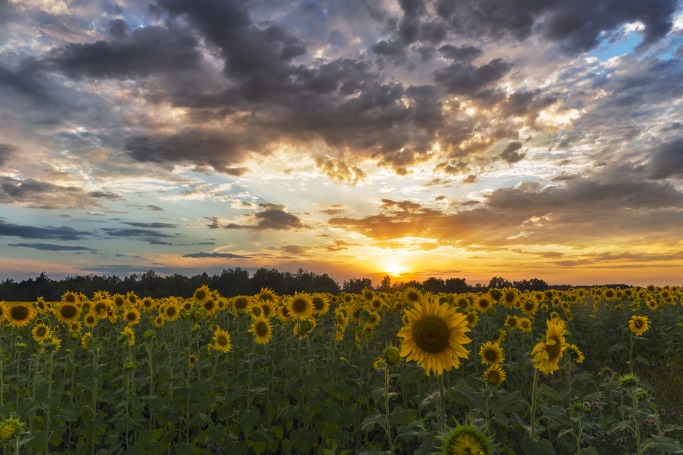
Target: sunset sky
417 138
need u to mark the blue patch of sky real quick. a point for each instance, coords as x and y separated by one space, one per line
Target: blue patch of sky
609 48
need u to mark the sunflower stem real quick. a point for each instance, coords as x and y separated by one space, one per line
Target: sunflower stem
442 405
534 395
386 408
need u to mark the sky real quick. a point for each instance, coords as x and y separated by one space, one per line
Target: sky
358 138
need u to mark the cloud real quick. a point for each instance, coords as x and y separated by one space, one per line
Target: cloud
149 236
667 160
154 225
6 150
146 51
51 247
45 195
214 255
49 232
271 217
510 154
465 78
339 171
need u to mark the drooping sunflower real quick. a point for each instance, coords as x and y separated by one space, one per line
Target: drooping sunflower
86 339
20 314
41 332
300 306
10 428
547 354
466 440
128 335
491 353
639 324
434 337
221 340
261 330
495 375
578 355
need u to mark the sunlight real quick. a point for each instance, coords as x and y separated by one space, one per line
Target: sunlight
395 269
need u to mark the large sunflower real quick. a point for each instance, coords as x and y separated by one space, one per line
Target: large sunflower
300 306
261 330
434 336
20 314
67 312
639 324
547 354
320 303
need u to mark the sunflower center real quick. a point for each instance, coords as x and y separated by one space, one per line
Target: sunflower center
261 329
637 323
19 313
208 305
491 355
554 350
41 331
240 303
431 334
222 340
69 311
170 311
200 294
299 305
131 316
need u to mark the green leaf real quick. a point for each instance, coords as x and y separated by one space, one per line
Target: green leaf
642 360
531 447
508 403
667 444
277 431
400 416
248 418
412 374
258 447
368 424
464 394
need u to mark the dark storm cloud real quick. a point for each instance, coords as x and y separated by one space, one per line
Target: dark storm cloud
50 247
214 255
462 53
45 195
577 25
465 78
33 232
271 217
28 79
150 236
6 150
146 51
522 103
209 149
667 160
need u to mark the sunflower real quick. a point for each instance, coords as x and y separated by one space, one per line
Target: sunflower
202 293
320 303
70 297
171 312
267 295
304 328
578 355
19 314
491 353
412 295
41 332
86 339
639 324
67 312
159 321
472 319
372 321
119 301
261 330
75 326
379 363
209 306
256 311
510 297
483 303
131 298
529 306
221 340
466 440
90 320
300 306
511 321
434 337
10 428
52 344
524 324
392 355
495 375
191 360
547 354
101 308
241 303
268 308
132 316
128 335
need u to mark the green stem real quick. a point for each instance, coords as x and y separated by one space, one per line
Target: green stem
386 409
534 395
442 405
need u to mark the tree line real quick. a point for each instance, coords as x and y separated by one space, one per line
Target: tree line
238 281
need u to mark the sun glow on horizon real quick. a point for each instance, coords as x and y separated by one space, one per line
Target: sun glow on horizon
394 269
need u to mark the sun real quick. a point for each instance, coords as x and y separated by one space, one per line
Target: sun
395 269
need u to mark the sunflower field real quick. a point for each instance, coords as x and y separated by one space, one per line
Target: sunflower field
583 371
